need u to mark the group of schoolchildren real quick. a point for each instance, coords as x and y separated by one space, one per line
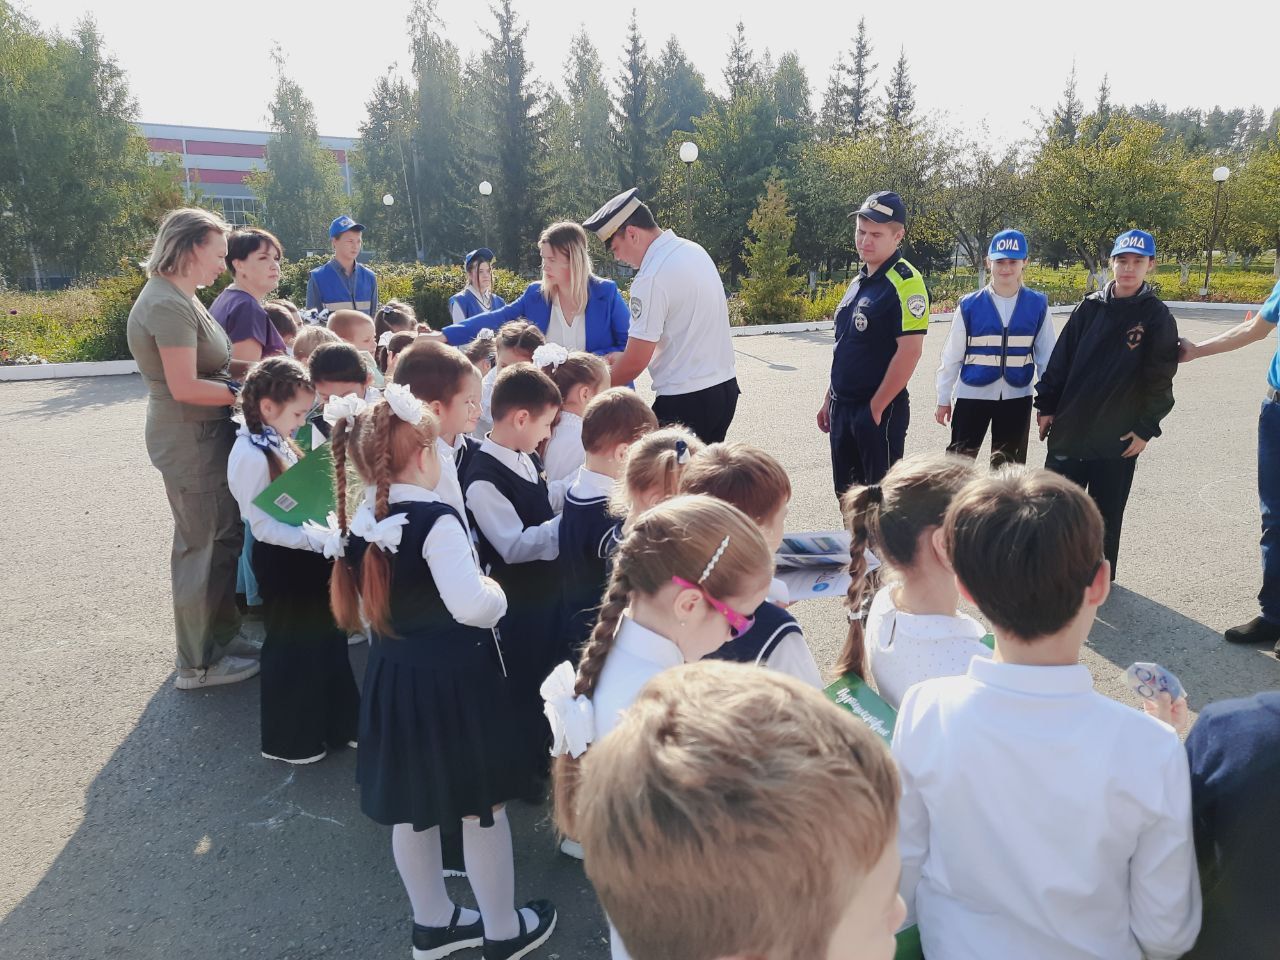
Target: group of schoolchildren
539 566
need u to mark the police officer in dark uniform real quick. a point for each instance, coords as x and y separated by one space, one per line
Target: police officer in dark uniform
880 325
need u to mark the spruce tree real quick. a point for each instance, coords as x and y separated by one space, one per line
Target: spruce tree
860 91
900 93
634 116
742 72
1065 124
770 291
680 90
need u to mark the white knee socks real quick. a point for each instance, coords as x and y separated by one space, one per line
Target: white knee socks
418 858
492 874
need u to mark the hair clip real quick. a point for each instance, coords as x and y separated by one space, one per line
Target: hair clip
486 334
337 409
682 455
403 403
550 355
853 616
715 557
384 341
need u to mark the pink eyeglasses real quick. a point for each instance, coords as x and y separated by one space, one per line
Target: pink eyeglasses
738 624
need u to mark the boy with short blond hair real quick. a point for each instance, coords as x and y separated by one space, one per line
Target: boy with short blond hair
800 863
1039 818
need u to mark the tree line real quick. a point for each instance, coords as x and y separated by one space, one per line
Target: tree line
556 148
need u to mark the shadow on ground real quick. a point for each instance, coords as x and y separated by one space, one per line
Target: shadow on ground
83 395
1186 646
192 845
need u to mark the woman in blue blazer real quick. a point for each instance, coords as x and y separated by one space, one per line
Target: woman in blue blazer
570 305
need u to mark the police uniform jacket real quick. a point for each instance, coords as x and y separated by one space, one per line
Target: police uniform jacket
877 309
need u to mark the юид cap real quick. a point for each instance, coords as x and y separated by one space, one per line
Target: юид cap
484 255
883 207
604 223
342 225
1135 241
1007 245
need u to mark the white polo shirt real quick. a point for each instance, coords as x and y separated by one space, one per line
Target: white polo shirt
678 302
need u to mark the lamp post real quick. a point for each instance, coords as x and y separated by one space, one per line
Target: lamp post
388 199
688 154
1220 175
486 188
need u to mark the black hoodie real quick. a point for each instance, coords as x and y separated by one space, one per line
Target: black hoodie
1111 372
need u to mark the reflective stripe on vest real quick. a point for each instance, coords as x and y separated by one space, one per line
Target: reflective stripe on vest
993 350
337 294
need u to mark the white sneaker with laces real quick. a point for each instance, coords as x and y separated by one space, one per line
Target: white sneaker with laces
246 644
226 670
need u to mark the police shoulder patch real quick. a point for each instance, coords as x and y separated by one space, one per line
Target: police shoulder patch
917 304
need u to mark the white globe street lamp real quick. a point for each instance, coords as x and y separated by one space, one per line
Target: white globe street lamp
486 188
1220 175
388 199
688 154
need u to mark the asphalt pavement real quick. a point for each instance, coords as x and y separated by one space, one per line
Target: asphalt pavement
140 821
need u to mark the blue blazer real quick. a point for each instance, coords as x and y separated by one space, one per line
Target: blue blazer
608 318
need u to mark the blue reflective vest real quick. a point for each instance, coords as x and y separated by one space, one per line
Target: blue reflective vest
466 301
993 350
337 293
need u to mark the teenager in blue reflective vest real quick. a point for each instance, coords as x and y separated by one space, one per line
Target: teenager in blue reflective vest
1000 341
342 283
477 296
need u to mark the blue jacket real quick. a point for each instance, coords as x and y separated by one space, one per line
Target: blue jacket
608 317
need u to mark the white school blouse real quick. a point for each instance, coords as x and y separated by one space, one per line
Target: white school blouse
565 453
1040 819
571 336
905 648
248 474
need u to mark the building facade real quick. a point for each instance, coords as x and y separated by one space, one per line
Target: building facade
217 161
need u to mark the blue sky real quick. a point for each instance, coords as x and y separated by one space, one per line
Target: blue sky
995 65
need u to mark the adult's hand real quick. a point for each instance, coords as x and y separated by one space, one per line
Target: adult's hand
1136 444
179 365
1045 424
876 415
824 415
943 414
1187 350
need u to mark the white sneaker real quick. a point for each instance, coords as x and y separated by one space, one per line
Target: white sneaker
226 670
297 763
571 848
246 644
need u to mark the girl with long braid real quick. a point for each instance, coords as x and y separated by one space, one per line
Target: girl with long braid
437 748
309 700
913 630
681 579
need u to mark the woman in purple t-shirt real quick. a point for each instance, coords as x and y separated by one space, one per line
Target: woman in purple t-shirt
253 257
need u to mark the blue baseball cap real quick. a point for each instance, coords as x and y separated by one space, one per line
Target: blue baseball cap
342 225
1135 241
1008 245
883 207
484 254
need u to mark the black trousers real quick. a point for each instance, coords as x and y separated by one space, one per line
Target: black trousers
1108 483
1010 423
707 413
309 699
862 451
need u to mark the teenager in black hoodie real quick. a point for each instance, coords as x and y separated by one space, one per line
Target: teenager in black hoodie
1109 383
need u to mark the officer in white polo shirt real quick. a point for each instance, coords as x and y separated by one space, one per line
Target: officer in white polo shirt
679 320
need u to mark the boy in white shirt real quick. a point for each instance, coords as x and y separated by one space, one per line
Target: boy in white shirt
1039 818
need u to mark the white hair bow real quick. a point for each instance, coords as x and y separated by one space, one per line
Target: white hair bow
550 355
403 403
346 408
383 533
328 539
572 718
384 341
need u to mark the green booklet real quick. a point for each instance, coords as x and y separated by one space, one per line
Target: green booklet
855 695
303 492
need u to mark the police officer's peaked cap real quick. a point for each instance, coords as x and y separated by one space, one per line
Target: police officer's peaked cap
483 255
883 207
604 223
